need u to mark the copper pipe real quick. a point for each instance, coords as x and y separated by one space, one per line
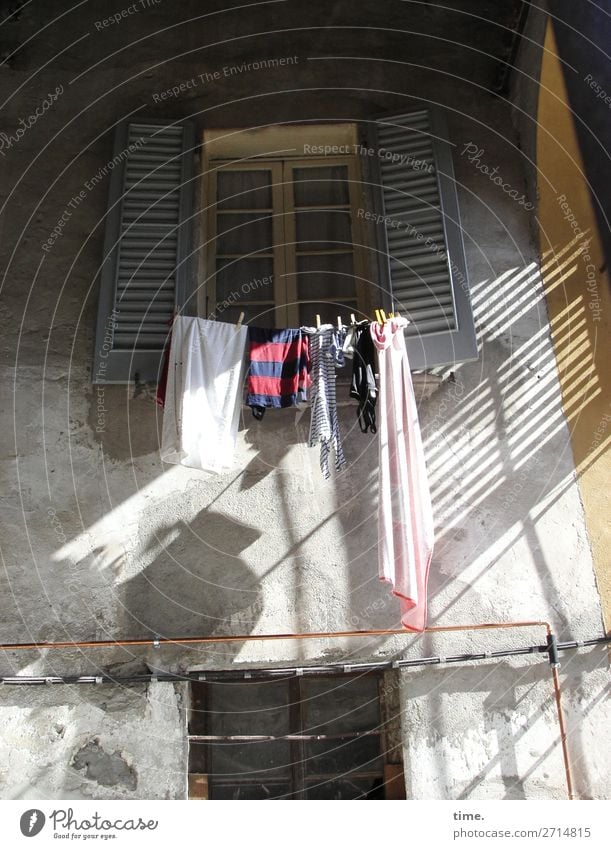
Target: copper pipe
177 641
241 638
563 740
490 625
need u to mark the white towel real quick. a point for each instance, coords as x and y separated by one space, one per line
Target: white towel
204 393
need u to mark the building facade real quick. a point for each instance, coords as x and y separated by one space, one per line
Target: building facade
103 542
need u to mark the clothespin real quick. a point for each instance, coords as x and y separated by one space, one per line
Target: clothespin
317 321
378 317
352 318
383 314
339 322
240 320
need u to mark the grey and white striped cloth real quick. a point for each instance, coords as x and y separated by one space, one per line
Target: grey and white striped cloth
326 356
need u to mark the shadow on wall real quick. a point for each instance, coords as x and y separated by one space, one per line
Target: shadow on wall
196 582
135 574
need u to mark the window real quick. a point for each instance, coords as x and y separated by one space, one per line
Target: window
314 737
284 241
299 220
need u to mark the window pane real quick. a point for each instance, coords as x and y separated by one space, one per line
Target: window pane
243 233
264 790
326 276
244 190
319 186
337 757
323 229
248 707
335 705
361 788
271 758
250 279
197 758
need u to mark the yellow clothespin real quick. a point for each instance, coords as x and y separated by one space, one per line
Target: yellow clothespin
378 317
317 320
383 314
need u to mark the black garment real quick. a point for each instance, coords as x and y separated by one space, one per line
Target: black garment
363 386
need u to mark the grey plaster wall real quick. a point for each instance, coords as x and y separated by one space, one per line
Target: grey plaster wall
102 743
101 540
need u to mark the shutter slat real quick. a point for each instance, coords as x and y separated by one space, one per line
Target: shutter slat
424 291
421 327
146 274
411 281
151 255
142 341
134 309
142 293
420 261
401 238
142 243
396 204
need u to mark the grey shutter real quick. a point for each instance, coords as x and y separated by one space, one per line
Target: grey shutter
146 266
424 265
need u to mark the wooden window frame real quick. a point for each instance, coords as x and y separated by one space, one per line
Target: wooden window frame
283 233
361 289
391 773
277 252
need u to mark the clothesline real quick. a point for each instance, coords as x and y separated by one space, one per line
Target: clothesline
379 313
206 364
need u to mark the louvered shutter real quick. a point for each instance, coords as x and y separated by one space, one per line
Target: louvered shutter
425 269
146 266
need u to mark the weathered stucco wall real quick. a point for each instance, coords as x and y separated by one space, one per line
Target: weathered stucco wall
101 540
109 743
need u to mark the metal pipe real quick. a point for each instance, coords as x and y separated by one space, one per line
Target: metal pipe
279 671
563 740
273 671
243 638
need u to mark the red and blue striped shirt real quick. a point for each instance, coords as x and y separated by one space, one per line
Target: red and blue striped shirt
279 372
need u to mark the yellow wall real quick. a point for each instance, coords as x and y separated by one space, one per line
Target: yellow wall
579 305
